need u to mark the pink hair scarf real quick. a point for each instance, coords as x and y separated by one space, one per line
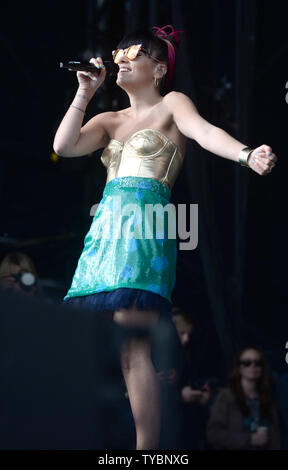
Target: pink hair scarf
162 34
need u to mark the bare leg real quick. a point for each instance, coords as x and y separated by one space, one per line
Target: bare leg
141 379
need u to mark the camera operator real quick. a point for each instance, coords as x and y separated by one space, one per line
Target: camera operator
18 274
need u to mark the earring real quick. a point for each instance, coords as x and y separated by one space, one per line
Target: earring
156 82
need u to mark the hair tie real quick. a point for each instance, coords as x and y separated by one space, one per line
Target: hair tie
162 34
173 35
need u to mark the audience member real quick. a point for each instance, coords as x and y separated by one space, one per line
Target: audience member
244 415
18 274
195 378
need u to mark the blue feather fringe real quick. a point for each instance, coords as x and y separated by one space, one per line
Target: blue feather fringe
122 298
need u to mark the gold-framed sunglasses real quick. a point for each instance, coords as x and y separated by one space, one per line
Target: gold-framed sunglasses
131 53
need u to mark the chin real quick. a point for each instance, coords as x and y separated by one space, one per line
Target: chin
122 84
119 80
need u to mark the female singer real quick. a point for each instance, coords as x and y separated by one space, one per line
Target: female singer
132 277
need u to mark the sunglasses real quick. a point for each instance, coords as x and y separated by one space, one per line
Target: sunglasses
249 362
131 53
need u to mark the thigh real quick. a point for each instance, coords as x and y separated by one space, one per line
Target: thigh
136 318
135 353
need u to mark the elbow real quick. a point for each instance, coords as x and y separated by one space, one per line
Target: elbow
65 150
61 151
57 148
57 151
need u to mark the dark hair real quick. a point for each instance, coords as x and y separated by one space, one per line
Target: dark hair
164 49
234 382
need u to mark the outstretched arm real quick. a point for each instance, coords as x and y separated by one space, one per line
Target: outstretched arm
214 139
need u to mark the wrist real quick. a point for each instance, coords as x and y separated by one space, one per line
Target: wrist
83 95
244 155
78 102
77 107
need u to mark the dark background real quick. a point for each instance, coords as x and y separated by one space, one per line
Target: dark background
232 63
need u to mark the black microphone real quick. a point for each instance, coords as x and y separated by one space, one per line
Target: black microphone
74 65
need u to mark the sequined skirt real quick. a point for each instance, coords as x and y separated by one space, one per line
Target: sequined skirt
130 250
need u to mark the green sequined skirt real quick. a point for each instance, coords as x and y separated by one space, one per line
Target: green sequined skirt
130 251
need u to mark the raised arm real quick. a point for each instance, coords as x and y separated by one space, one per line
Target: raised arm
213 138
73 140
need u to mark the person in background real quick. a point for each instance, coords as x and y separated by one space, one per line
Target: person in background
186 326
244 415
18 274
195 385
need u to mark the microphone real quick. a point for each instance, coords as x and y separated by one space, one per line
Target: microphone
74 65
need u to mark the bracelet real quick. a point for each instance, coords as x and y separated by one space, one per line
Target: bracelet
76 107
243 156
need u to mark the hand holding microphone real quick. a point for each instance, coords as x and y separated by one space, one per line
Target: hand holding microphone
90 81
68 133
97 77
91 74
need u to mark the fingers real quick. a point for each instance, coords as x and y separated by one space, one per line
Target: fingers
264 168
268 163
263 160
266 149
91 75
269 156
255 162
98 62
8 281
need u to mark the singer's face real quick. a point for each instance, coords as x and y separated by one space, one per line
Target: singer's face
139 71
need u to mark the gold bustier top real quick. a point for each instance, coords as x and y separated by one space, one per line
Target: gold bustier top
147 153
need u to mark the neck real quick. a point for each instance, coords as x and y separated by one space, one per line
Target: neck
249 386
142 100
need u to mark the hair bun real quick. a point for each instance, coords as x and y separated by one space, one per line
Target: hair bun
172 36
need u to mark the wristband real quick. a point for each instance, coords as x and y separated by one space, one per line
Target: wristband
243 156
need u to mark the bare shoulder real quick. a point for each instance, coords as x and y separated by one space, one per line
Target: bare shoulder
176 100
187 118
